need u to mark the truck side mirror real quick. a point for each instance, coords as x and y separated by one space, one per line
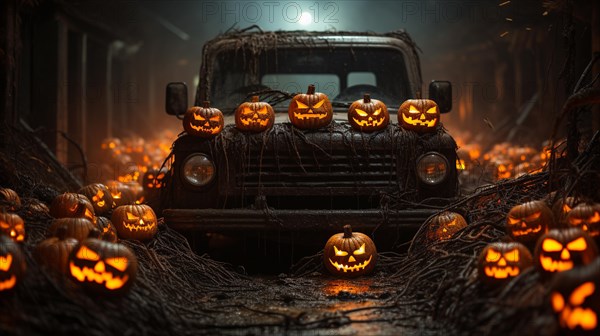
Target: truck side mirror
176 102
441 93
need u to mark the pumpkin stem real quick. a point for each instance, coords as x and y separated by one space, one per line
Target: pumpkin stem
367 98
311 89
61 232
206 104
94 233
255 99
347 231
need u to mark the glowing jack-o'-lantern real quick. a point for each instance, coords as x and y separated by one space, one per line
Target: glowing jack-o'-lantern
254 116
120 192
527 222
499 261
203 121
561 209
153 179
71 205
102 267
10 199
575 300
350 254
100 197
368 115
13 226
310 110
444 225
107 230
53 253
419 115
12 264
587 217
136 221
560 250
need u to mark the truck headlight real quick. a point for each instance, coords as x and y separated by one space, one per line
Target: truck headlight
432 168
198 170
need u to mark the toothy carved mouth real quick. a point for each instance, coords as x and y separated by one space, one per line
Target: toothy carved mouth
106 278
518 233
347 268
501 272
417 122
310 115
551 265
372 123
582 317
206 128
139 227
8 284
255 122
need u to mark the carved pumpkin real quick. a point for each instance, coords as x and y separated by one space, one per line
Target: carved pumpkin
368 115
10 199
107 230
527 222
78 228
13 226
153 179
310 110
562 249
419 115
100 197
575 300
444 225
350 254
254 116
500 262
71 205
121 193
12 264
204 122
561 209
53 253
587 217
137 190
135 222
102 267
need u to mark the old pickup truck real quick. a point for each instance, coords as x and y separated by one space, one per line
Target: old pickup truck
287 182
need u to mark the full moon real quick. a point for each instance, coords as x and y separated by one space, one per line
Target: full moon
305 18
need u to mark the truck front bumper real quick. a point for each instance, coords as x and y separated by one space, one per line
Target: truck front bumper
239 220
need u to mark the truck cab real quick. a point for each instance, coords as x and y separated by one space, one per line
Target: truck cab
288 181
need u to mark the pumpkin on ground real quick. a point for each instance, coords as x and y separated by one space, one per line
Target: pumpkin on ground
12 264
53 253
13 226
137 221
368 115
121 193
107 230
502 261
527 222
10 199
560 250
419 115
78 228
204 122
444 225
561 209
100 197
102 267
71 205
587 217
349 254
254 116
310 110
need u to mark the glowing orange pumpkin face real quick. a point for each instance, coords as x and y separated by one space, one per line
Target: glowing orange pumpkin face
587 217
561 250
368 115
311 110
71 205
575 299
103 267
135 222
13 226
254 116
499 262
100 197
203 121
350 254
561 209
419 115
153 179
527 222
12 264
444 225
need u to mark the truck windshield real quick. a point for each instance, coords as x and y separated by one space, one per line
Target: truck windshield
343 73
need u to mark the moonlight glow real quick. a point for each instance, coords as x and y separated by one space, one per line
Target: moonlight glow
305 18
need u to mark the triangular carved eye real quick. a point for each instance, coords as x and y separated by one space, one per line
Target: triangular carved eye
413 109
581 293
263 110
215 118
132 217
513 221
533 216
301 104
361 113
551 245
492 255
432 110
512 256
595 218
377 112
118 263
87 254
360 251
198 117
339 253
577 245
319 104
247 111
